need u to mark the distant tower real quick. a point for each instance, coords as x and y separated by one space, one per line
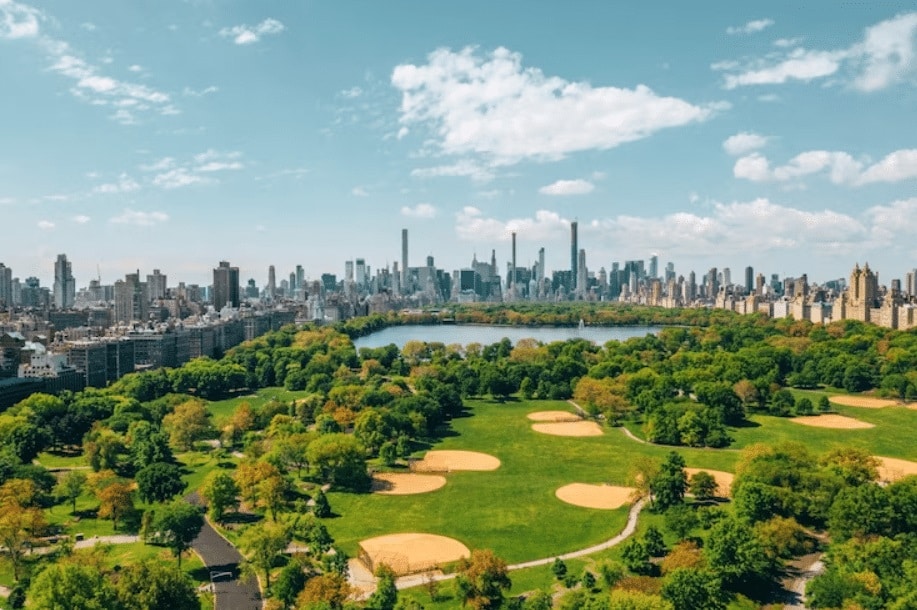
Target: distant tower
404 259
574 251
514 261
157 285
581 273
64 284
225 286
271 282
654 266
540 265
6 286
749 280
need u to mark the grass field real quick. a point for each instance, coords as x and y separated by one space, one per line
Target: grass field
512 510
221 410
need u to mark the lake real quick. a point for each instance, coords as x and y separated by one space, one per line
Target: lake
486 334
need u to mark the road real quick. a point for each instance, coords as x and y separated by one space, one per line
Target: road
222 559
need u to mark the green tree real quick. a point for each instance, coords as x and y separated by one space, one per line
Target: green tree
177 525
680 520
824 404
654 542
735 554
689 589
481 580
159 482
388 453
636 557
152 585
386 594
703 486
559 568
72 585
71 486
669 485
804 407
340 459
187 423
221 493
263 545
291 580
321 507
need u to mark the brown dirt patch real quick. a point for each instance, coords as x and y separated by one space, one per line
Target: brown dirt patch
402 484
723 480
862 401
605 497
832 421
576 428
893 469
553 416
447 461
411 552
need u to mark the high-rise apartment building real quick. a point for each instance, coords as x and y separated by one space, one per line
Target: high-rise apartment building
654 267
225 286
749 280
132 299
271 282
574 251
361 272
64 284
6 286
404 260
156 284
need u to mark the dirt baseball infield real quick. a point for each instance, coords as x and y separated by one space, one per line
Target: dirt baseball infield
410 553
403 484
723 480
832 421
575 428
605 497
893 469
862 401
447 461
553 416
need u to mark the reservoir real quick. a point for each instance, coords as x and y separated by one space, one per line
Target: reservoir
487 334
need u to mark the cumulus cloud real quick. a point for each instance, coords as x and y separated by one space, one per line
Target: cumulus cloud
472 225
841 167
19 20
124 184
744 142
81 219
140 219
568 187
173 174
883 57
421 210
491 106
45 225
463 167
177 178
189 92
248 34
751 27
359 191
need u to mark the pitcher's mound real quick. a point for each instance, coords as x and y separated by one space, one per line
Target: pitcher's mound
723 480
575 428
553 416
411 553
446 461
606 497
402 484
862 401
832 421
893 469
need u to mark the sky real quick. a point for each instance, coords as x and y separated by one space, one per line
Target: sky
174 134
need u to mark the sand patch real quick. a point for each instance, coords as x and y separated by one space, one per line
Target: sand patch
411 553
402 484
576 428
605 497
862 401
447 461
894 469
553 416
832 421
723 480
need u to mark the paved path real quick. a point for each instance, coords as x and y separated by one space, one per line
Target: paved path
806 568
223 559
414 580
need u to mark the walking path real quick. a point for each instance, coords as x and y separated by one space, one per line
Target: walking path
806 568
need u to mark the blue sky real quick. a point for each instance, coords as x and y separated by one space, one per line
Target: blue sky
175 134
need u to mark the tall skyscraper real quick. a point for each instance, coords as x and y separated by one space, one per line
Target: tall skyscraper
132 299
513 278
64 284
157 285
581 272
6 286
348 272
574 251
271 283
749 280
540 277
225 286
654 266
361 272
404 260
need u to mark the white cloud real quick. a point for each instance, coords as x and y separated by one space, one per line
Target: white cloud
81 219
18 20
189 92
214 155
172 174
135 68
463 167
841 166
421 210
785 43
568 187
472 225
352 93
177 178
140 219
359 191
886 55
248 34
160 165
220 166
491 106
7 200
45 225
751 27
125 184
744 142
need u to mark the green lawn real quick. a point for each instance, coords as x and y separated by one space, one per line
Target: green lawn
512 510
221 410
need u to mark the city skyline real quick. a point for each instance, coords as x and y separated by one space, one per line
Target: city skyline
275 134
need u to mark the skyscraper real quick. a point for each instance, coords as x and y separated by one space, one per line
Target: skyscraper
404 260
132 299
654 266
225 286
271 282
361 272
6 286
581 273
157 285
574 252
512 279
749 280
64 284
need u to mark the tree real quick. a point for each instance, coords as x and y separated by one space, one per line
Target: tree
559 568
321 507
804 407
386 594
340 459
177 525
636 557
388 453
115 500
18 526
152 585
263 545
680 520
325 591
669 486
703 486
824 404
71 486
735 554
159 482
272 494
242 421
148 445
187 423
482 579
72 585
290 582
654 542
221 493
689 588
